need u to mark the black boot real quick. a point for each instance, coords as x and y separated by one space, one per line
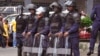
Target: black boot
89 53
44 53
98 52
20 51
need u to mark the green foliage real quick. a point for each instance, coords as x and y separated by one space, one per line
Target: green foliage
86 22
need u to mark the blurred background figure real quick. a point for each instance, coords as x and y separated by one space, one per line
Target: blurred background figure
71 30
14 32
1 32
95 17
6 32
83 14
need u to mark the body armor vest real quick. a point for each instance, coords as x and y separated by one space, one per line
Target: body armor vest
41 24
55 23
20 23
70 19
31 21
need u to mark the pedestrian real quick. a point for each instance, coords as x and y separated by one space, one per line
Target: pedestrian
30 29
56 25
13 25
83 15
95 17
71 29
6 33
1 32
21 22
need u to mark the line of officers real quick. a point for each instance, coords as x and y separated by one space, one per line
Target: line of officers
62 25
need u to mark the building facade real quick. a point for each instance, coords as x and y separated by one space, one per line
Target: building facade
83 5
21 2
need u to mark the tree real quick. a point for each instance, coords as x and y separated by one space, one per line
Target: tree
86 22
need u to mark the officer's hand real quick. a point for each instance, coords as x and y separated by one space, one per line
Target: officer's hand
66 34
56 34
60 34
28 34
37 34
23 34
49 35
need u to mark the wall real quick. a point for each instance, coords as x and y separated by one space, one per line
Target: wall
96 2
81 4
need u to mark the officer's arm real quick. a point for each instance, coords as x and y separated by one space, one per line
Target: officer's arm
63 24
75 26
93 14
26 24
46 28
25 29
34 27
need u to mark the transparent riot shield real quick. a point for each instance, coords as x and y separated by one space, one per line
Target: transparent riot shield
27 46
30 51
59 51
53 50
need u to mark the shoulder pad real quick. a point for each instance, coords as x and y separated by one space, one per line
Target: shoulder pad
65 11
61 14
46 18
51 13
25 17
75 14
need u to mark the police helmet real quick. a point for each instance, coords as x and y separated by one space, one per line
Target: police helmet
20 7
70 3
40 10
55 4
31 6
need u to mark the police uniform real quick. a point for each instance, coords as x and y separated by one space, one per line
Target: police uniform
20 26
56 25
72 23
95 17
30 27
42 29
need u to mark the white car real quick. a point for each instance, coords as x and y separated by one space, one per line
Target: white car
7 10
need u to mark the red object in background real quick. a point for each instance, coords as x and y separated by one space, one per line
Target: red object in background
84 35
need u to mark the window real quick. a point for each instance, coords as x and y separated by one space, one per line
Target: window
9 10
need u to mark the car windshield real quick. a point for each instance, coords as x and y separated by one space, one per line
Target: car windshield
10 18
9 10
1 9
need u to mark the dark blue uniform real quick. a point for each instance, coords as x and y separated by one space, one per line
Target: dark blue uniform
31 27
56 25
20 26
72 22
95 17
43 29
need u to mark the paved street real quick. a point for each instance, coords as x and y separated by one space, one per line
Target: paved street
13 52
8 51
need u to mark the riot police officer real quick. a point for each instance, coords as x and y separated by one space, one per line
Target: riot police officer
42 29
71 29
56 24
20 26
30 20
30 29
95 17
